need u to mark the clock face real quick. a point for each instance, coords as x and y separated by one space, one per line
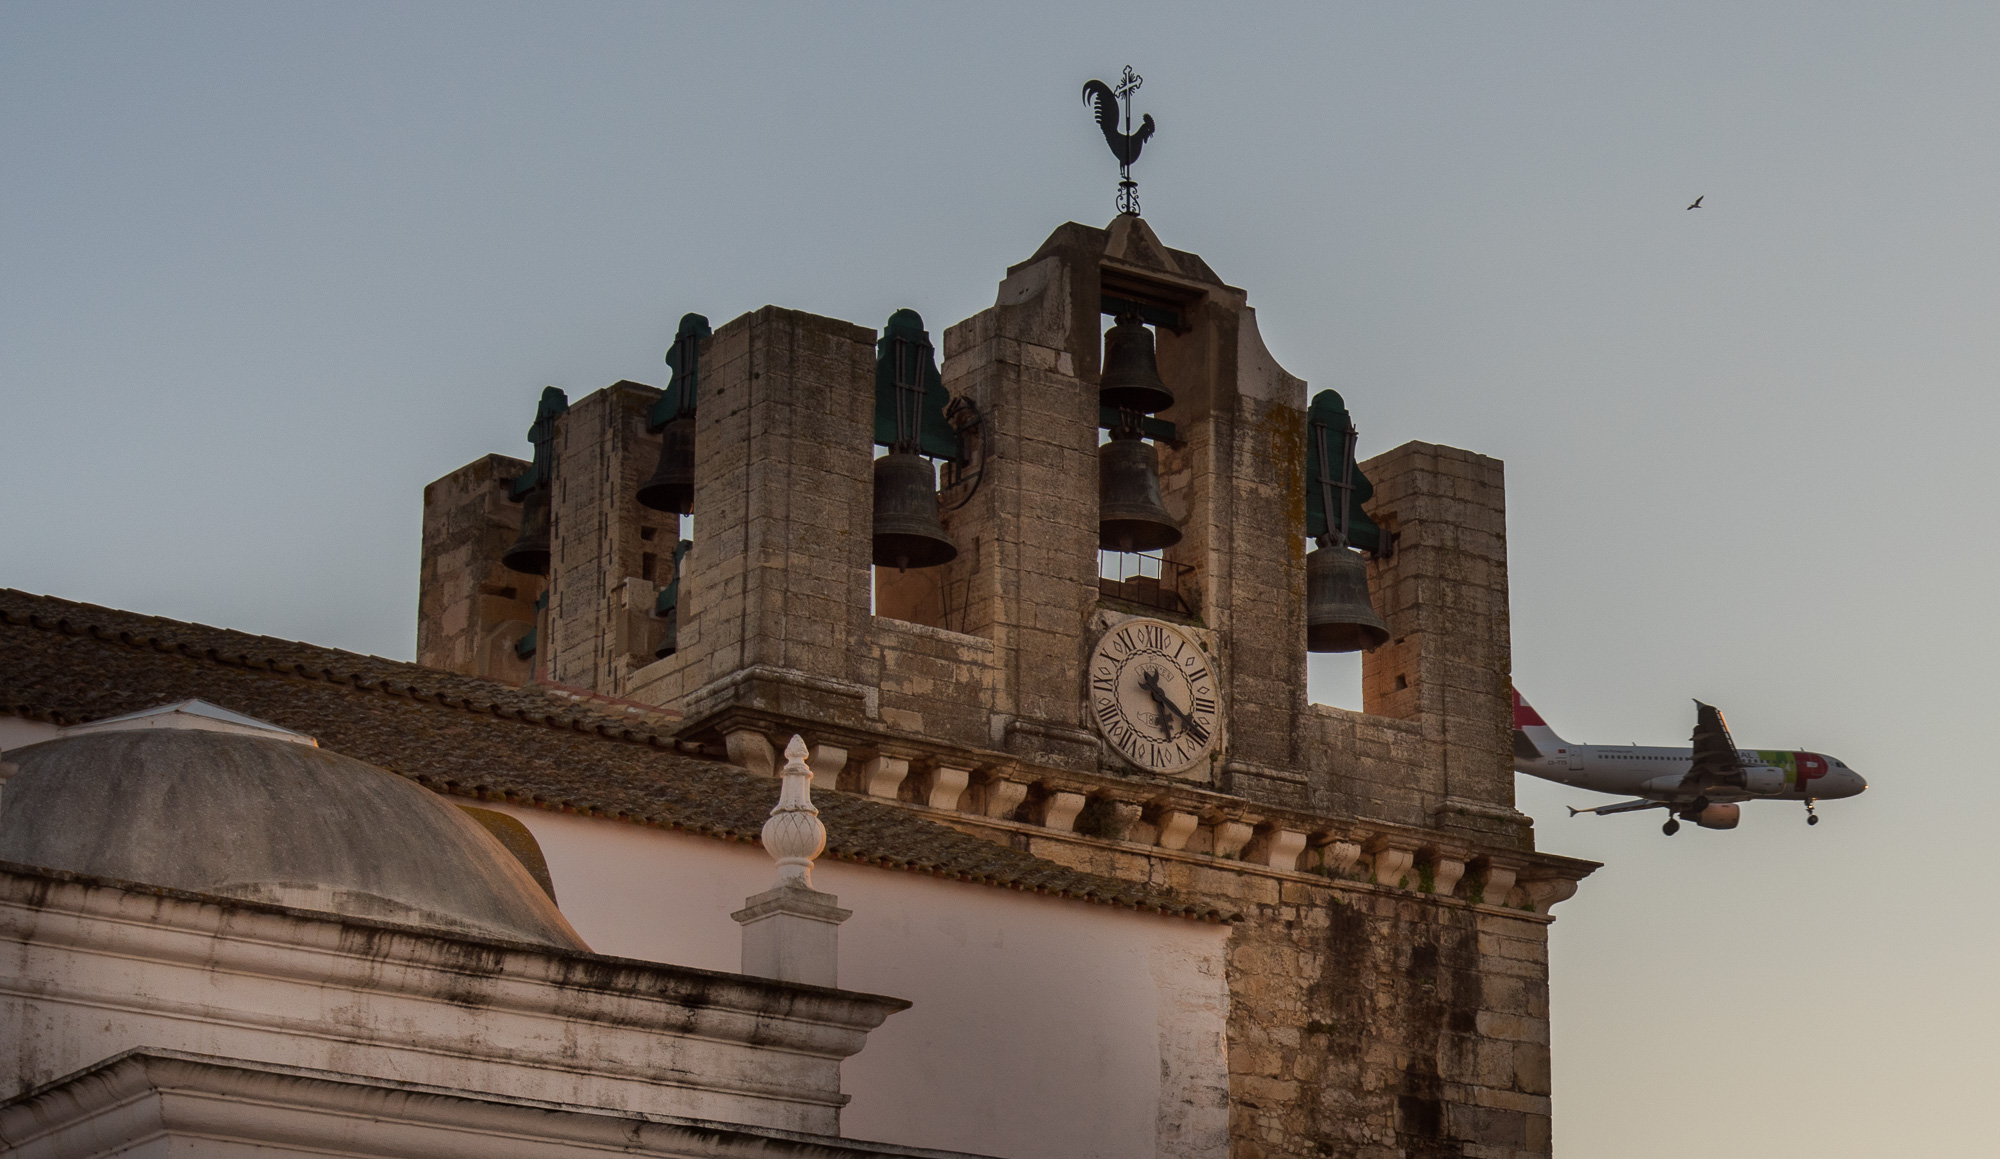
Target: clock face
1153 695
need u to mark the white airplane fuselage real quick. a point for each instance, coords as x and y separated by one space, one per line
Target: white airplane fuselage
1656 773
1705 782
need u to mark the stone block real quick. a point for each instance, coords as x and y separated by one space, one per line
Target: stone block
882 776
1002 797
1276 847
1231 837
1058 810
752 751
791 933
1513 1027
1176 828
1482 1126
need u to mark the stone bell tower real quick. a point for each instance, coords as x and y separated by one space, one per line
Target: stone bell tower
984 691
782 623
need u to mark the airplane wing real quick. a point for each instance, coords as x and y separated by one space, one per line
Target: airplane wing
1620 807
1715 758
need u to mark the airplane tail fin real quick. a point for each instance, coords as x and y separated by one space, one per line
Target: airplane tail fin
1532 735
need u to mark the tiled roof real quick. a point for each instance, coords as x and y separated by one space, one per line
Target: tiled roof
67 662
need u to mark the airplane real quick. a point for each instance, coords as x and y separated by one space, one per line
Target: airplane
1705 783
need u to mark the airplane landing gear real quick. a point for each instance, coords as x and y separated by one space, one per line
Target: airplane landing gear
1812 818
1672 826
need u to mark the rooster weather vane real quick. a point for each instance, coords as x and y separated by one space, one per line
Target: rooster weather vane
1124 145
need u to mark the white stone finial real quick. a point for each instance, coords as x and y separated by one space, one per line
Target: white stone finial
794 836
791 931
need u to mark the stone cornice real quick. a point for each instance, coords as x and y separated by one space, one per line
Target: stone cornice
74 912
149 1093
1154 796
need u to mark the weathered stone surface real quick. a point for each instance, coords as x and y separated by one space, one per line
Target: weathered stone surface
1368 1021
1389 976
148 805
463 1013
471 612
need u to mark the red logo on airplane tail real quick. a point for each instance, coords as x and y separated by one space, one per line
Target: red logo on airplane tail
1524 713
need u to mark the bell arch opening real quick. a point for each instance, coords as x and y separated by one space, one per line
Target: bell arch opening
932 594
1143 559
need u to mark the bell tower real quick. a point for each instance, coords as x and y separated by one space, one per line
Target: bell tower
973 643
768 547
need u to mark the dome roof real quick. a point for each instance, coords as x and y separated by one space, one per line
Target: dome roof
250 811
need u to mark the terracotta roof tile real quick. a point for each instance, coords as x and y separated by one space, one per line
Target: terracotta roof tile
67 662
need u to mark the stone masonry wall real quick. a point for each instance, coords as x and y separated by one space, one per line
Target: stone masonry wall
1443 591
775 596
934 683
1031 530
1241 416
603 542
470 610
1367 1021
1372 766
1373 1026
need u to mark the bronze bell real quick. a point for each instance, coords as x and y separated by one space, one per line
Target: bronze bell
530 552
908 532
672 486
1130 514
1339 616
1131 379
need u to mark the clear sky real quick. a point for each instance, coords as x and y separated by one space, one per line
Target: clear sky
267 269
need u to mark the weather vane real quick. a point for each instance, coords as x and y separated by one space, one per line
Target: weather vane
1124 145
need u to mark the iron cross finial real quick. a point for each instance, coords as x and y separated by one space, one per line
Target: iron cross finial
1125 145
1126 87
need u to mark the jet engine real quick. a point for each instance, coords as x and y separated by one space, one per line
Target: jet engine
1720 816
1763 780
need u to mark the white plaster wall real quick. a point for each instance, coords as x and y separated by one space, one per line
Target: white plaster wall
1043 1028
19 732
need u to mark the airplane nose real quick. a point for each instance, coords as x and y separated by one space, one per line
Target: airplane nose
1854 784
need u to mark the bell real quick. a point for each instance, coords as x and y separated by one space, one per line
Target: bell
672 486
530 552
1131 378
1130 515
1339 617
908 532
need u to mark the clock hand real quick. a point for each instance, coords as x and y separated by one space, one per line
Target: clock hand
1151 683
1194 730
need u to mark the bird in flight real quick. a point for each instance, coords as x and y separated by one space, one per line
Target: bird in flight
1697 202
